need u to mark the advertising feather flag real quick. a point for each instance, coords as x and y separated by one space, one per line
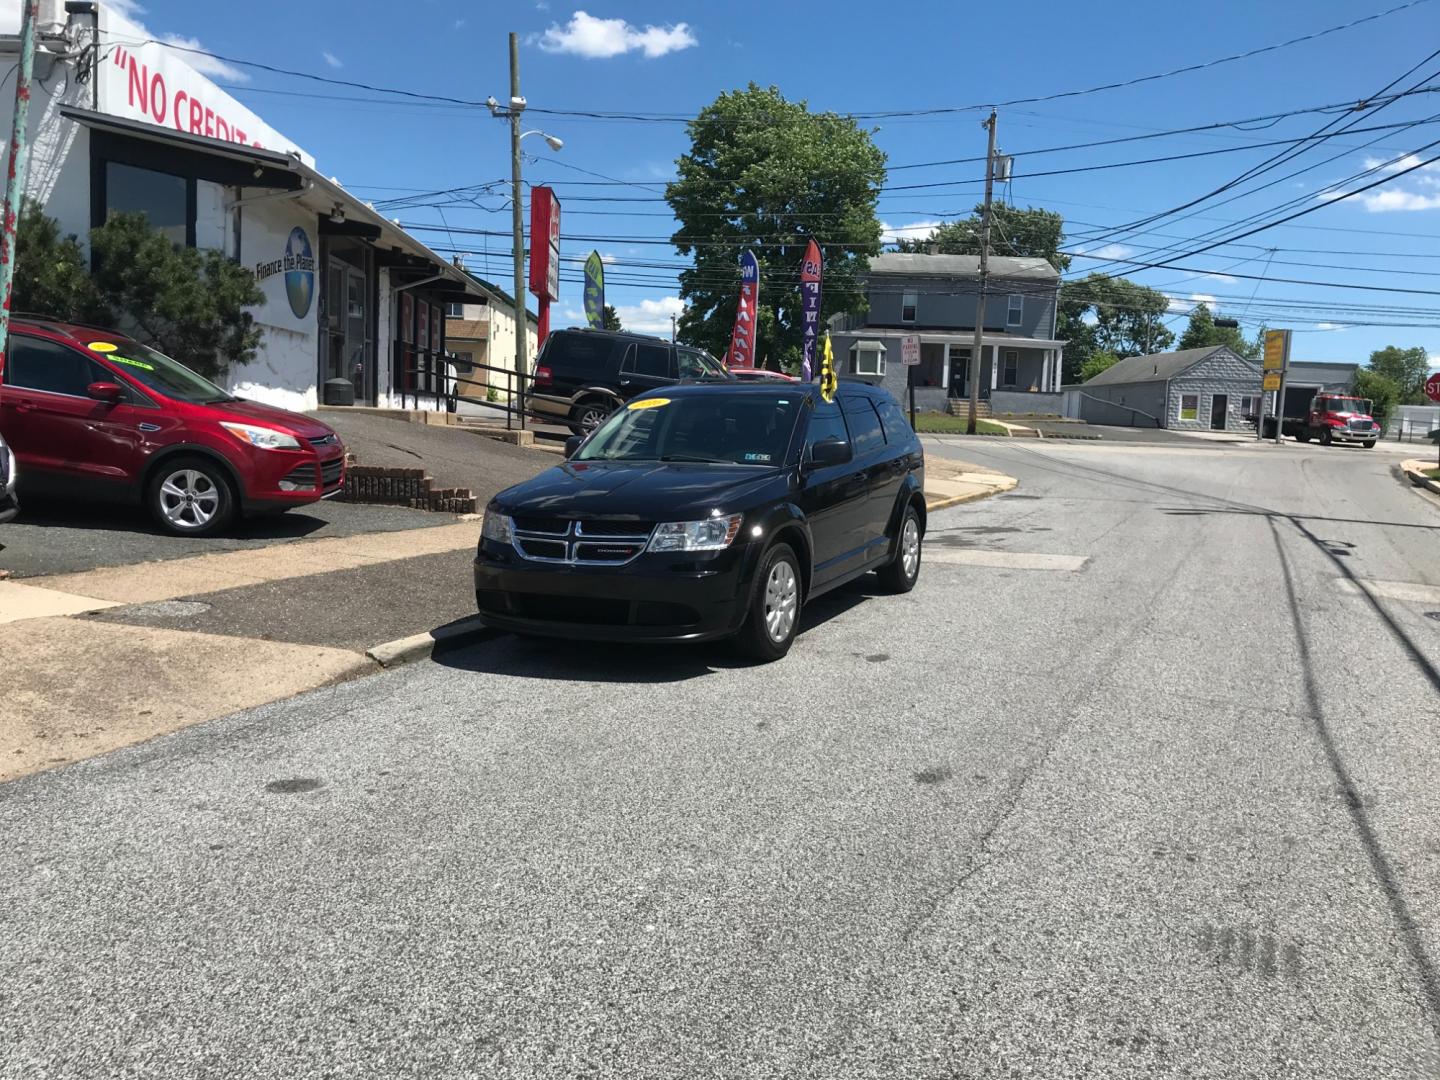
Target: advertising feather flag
595 291
742 339
829 382
810 283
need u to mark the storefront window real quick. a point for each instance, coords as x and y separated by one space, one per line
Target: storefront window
163 199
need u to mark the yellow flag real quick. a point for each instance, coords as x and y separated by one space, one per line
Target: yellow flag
828 381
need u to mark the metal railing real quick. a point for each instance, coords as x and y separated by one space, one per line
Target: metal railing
437 380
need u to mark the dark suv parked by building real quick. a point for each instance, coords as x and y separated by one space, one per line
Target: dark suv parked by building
582 376
708 511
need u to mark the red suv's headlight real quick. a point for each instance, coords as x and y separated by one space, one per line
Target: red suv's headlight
262 438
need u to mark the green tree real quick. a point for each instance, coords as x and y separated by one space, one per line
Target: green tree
51 276
1406 368
610 319
1202 333
1383 392
767 174
1098 362
1022 232
189 304
1099 313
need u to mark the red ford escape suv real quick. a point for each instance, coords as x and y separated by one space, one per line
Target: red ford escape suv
91 414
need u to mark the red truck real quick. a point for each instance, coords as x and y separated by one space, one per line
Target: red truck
1332 418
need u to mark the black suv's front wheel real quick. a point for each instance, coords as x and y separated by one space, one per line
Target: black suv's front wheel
774 616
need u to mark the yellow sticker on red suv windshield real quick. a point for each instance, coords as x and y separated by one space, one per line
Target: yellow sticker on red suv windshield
649 403
103 346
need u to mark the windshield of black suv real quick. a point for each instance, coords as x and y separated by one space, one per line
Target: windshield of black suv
715 428
169 377
697 364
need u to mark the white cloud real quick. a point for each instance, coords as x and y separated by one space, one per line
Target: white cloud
1226 278
1090 318
205 65
650 316
1398 199
916 230
458 24
542 5
1330 326
607 258
1409 161
1183 306
331 59
598 39
1112 251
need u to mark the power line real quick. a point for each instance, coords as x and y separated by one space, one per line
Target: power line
871 115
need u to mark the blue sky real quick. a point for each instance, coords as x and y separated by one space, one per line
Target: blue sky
673 58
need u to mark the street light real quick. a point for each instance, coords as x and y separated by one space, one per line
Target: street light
512 113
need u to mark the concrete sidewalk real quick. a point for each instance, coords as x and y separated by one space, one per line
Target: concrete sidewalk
949 483
111 656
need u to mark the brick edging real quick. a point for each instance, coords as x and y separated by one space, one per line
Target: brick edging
379 484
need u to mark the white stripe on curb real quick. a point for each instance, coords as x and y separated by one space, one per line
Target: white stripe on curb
406 650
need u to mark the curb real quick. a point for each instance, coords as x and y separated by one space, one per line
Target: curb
1419 479
407 650
956 500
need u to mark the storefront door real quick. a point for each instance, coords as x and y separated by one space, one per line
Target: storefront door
347 320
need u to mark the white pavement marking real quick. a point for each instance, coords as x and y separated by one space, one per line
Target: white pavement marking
1006 560
19 602
1391 590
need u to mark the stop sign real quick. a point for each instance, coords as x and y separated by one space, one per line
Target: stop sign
1432 387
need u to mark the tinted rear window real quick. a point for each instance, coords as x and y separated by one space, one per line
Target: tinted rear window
864 425
897 428
577 351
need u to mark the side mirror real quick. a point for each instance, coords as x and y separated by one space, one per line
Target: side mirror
106 391
832 450
572 444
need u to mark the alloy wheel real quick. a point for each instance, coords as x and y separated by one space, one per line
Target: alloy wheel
781 601
910 547
189 499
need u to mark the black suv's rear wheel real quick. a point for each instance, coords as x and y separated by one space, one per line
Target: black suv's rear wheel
775 604
901 573
588 415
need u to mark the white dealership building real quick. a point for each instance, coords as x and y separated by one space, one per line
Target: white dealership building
354 306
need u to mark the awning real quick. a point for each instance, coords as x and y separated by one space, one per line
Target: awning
237 165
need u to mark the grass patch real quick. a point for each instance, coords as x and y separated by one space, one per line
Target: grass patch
1433 474
945 424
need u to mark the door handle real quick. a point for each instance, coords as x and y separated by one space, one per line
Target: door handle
24 406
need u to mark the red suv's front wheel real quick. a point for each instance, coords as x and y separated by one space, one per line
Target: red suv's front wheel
190 496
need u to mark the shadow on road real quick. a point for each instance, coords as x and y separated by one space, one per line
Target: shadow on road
501 653
44 513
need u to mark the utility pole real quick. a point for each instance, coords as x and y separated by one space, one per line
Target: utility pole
970 424
517 105
19 158
672 329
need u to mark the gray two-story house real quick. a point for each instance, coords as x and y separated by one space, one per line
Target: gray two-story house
935 297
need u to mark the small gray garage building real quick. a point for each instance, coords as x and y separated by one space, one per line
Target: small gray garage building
1194 389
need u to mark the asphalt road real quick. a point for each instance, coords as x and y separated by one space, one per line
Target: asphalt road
1166 807
55 537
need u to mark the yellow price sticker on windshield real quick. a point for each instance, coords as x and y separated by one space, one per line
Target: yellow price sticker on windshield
103 346
649 403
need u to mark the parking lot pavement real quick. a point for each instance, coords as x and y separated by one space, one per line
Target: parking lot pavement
1144 792
61 538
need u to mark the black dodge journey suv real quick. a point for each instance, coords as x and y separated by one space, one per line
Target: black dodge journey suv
708 511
